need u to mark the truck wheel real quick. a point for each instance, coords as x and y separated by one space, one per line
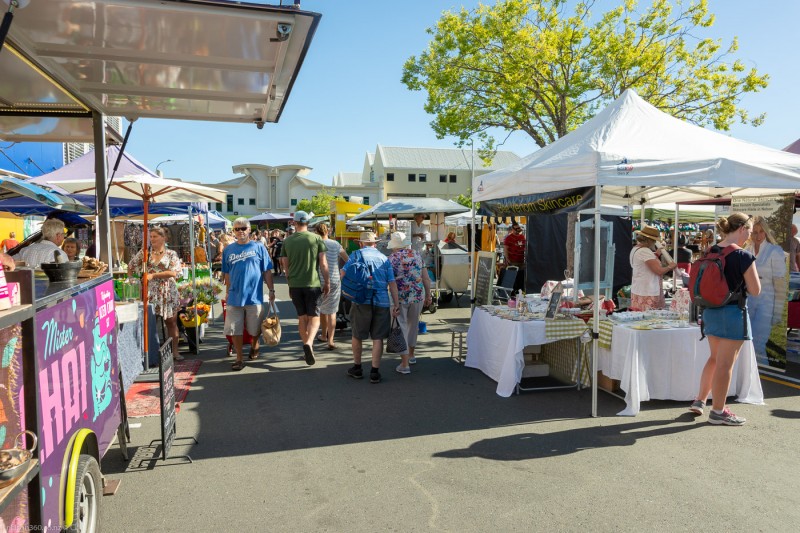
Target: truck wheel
88 491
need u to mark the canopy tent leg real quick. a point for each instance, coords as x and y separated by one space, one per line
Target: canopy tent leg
598 193
192 247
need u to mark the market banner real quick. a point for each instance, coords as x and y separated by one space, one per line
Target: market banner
547 203
772 217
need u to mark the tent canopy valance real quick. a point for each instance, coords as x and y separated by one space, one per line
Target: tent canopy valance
271 217
640 154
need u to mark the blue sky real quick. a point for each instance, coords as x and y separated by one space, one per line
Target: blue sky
348 96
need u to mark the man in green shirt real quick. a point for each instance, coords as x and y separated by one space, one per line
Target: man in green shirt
302 252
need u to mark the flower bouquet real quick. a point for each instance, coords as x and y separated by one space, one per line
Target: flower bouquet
194 315
205 291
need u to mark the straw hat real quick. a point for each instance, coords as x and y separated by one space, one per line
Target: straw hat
398 240
368 236
651 232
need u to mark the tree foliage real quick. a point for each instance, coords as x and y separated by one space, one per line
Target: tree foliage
319 204
528 65
466 199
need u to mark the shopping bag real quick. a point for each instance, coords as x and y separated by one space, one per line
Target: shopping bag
271 327
396 343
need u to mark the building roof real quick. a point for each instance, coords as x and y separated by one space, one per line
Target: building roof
347 179
440 158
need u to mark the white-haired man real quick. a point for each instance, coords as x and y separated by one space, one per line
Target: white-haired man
46 250
245 267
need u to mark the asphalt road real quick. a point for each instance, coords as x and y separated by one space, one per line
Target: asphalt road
286 447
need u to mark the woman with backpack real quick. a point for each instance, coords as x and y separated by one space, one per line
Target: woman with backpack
766 309
728 326
646 288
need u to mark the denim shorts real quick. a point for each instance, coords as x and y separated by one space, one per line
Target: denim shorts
727 322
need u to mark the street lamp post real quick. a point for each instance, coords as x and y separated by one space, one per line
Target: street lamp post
158 172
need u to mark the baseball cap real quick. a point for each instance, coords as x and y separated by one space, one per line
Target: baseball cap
301 216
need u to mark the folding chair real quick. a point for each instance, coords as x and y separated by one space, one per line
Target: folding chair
505 289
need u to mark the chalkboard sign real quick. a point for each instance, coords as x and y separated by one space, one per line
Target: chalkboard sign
484 278
166 376
552 307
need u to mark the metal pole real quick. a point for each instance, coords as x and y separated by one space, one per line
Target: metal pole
102 225
675 249
472 224
194 280
598 191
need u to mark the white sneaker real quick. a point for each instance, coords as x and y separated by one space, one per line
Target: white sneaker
412 360
402 369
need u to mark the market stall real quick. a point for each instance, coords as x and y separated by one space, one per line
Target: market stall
632 153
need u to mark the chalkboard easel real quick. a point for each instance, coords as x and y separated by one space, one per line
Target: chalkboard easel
166 379
484 278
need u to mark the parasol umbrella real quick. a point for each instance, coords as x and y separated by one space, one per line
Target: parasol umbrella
147 188
406 208
271 217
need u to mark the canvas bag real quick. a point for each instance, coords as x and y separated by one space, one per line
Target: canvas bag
396 342
271 327
356 285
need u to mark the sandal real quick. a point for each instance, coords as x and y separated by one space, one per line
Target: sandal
253 354
238 365
331 347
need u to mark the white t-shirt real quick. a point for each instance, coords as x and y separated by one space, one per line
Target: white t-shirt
416 242
644 282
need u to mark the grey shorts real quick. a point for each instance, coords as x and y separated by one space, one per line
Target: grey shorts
370 322
236 318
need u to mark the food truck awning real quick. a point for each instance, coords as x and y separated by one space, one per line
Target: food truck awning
212 60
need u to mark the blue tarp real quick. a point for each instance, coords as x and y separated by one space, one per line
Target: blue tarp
118 206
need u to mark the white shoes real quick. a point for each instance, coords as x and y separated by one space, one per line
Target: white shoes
402 369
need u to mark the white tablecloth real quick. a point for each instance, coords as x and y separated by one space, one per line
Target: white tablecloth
495 346
666 365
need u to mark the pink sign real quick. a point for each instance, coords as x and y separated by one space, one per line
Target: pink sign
105 308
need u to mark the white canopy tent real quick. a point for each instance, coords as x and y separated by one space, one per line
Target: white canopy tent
633 153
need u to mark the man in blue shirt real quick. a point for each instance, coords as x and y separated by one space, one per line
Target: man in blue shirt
246 266
373 320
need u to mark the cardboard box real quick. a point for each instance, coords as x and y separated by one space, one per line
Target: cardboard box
606 383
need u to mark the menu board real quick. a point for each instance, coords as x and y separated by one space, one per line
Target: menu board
166 375
484 278
552 307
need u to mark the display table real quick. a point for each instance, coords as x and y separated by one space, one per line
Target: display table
495 346
666 364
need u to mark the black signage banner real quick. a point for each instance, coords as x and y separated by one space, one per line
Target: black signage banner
484 279
167 377
546 203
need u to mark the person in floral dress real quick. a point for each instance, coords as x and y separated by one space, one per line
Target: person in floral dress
162 291
414 291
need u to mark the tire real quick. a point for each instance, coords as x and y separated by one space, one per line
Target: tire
432 308
88 491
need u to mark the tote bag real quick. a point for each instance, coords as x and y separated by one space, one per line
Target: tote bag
396 343
271 328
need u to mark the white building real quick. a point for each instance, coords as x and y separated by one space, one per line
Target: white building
264 188
393 171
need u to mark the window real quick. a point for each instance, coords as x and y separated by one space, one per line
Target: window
251 201
412 177
423 177
452 178
240 201
366 200
229 203
346 198
442 178
210 206
219 206
293 201
390 176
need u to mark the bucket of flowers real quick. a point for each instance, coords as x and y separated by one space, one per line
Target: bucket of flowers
204 290
194 315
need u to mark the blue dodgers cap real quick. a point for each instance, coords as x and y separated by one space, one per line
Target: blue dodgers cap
301 216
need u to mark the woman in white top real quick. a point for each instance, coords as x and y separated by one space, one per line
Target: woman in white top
330 302
766 309
646 290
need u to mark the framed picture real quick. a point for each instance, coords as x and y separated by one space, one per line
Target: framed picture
552 307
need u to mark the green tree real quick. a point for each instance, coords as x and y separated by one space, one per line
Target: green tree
528 65
319 204
466 199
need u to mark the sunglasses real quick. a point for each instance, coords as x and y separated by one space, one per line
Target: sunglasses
240 229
